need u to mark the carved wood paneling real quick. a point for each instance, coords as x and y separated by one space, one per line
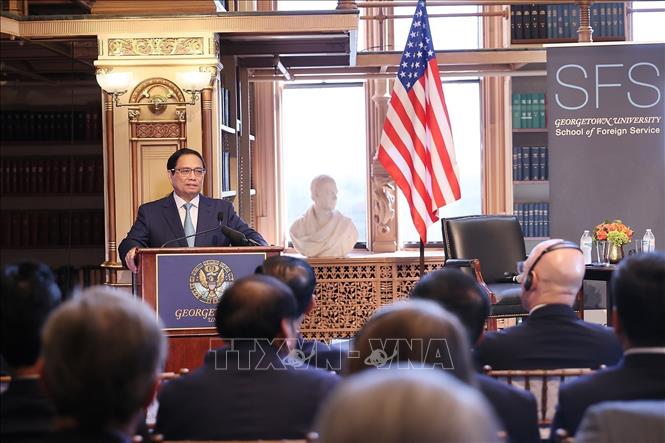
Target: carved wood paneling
155 46
348 291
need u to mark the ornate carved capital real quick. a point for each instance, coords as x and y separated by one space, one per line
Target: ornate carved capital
383 202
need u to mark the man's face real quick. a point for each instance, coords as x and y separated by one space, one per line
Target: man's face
187 186
325 196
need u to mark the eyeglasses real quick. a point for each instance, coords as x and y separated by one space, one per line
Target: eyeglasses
185 172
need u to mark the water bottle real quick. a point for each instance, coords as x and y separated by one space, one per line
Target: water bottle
585 246
649 241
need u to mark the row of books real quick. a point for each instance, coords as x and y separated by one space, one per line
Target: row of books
52 228
53 175
529 110
72 278
534 218
530 163
557 21
18 125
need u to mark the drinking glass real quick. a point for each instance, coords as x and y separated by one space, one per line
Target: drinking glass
601 252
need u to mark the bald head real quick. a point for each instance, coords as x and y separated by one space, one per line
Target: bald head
556 268
254 307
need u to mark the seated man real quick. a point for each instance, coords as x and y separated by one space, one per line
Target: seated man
461 295
637 421
103 353
638 286
300 277
245 391
406 406
29 294
323 231
551 336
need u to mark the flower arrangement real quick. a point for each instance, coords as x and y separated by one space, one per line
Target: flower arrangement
613 231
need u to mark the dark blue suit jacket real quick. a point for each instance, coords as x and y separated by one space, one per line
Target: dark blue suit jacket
516 409
636 377
551 337
159 222
26 413
243 394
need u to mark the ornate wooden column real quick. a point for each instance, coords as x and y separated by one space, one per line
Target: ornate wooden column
585 31
497 154
110 263
206 138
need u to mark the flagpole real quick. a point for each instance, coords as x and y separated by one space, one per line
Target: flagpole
422 258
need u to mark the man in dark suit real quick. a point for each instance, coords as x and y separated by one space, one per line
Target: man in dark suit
461 295
245 390
29 294
551 336
300 277
183 213
103 353
638 286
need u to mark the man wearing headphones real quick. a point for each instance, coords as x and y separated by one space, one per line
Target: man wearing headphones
552 336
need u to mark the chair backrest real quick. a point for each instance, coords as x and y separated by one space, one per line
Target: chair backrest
542 383
496 240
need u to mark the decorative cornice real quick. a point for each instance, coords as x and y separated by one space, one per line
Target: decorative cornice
173 26
155 46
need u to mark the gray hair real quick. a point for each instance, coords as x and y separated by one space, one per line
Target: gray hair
102 344
404 406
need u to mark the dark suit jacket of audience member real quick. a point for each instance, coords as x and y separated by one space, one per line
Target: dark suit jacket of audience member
636 377
226 400
516 409
159 221
322 355
26 413
551 337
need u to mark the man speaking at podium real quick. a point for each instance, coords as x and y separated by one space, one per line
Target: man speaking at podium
185 217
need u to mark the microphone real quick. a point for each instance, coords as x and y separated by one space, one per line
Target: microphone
238 238
220 218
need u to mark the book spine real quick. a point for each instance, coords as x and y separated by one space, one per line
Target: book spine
516 165
517 111
534 166
541 163
574 21
523 111
512 23
622 25
542 21
542 110
526 21
603 20
527 112
525 162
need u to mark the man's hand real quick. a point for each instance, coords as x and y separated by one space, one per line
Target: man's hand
130 260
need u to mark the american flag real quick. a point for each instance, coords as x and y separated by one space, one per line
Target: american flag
417 143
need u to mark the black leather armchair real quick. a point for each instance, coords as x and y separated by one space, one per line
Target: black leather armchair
491 246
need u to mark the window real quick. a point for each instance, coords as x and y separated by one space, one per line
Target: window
463 101
648 26
447 32
323 132
306 5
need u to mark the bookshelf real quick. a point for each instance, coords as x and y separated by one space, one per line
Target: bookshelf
558 23
52 189
530 154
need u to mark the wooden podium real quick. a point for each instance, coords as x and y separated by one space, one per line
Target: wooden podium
184 285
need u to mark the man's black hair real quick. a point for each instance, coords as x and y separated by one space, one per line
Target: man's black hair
638 287
29 294
173 159
459 294
296 273
253 307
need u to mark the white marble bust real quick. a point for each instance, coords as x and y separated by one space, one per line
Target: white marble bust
323 231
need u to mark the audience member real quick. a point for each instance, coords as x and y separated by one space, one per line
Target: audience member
409 334
245 391
638 421
29 294
461 295
638 286
551 336
299 276
402 406
103 352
